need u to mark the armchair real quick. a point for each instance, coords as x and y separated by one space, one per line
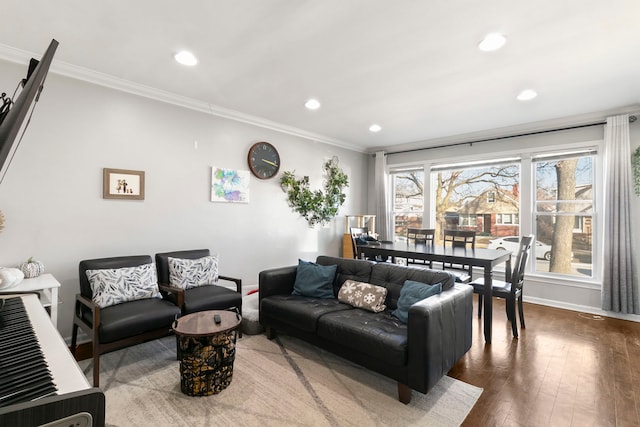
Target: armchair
118 325
198 298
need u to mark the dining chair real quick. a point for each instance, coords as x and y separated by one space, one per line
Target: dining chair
511 289
421 235
357 233
460 239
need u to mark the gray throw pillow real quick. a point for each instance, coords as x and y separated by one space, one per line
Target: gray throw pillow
314 280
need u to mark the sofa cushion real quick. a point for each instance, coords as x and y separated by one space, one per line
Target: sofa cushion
392 277
411 293
136 317
314 280
348 269
190 273
118 285
363 295
298 311
379 335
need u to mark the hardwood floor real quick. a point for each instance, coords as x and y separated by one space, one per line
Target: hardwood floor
566 369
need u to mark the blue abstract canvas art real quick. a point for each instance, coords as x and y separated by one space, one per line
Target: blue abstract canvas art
229 185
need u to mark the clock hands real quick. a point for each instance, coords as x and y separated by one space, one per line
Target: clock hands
270 163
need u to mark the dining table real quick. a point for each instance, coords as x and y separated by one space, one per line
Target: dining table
487 259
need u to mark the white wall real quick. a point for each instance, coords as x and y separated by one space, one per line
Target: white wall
570 294
52 200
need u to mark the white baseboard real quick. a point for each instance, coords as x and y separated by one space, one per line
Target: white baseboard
582 308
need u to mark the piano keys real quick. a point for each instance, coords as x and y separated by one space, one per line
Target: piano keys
40 381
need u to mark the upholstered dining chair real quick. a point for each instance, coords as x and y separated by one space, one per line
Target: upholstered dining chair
192 297
460 239
425 236
111 322
511 289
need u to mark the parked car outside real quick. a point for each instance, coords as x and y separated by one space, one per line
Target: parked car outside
511 243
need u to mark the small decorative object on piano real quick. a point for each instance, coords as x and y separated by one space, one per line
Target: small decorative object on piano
32 268
10 277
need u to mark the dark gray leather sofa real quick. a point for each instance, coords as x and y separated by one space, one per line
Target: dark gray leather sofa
416 354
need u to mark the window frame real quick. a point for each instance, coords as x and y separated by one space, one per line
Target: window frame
527 187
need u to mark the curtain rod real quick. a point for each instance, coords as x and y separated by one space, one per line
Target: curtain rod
497 138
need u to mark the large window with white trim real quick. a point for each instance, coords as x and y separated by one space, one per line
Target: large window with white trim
550 194
564 212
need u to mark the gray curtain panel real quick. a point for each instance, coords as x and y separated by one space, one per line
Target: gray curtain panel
619 289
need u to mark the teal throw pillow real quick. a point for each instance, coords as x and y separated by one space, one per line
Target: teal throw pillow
411 293
314 280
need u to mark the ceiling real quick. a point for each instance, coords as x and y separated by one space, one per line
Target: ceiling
413 67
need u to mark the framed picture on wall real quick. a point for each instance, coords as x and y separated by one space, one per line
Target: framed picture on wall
122 184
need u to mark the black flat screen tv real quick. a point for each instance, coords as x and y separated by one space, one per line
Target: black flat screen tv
13 120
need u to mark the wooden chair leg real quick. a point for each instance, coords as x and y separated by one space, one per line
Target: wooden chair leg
404 393
270 332
96 370
74 339
480 299
521 312
96 363
511 315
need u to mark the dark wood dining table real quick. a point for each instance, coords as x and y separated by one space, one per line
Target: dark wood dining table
479 257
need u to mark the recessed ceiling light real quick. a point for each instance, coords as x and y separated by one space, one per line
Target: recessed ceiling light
491 42
186 58
375 128
527 95
312 104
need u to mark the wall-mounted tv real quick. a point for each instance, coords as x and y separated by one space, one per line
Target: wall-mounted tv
12 122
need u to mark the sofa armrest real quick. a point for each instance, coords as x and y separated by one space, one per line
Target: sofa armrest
277 281
439 334
238 282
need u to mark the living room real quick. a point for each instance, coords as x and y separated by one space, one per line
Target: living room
86 120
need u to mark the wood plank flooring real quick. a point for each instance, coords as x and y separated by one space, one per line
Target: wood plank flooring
566 369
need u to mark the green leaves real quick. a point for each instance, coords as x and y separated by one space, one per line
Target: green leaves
317 207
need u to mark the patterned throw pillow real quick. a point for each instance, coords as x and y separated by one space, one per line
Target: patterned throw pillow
117 285
191 273
363 295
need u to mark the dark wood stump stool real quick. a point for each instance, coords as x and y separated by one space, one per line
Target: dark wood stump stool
206 350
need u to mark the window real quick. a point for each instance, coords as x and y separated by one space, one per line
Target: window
408 200
506 218
469 220
564 214
477 197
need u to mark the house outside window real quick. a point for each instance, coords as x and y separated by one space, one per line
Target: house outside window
480 195
506 218
468 220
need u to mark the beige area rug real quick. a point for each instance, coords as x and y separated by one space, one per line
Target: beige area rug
284 382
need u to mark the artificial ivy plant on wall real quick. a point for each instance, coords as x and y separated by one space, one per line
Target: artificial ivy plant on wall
317 207
635 163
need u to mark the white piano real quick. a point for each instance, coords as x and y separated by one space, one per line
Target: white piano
67 398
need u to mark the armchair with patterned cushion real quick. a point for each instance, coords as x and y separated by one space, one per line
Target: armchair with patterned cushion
190 278
119 305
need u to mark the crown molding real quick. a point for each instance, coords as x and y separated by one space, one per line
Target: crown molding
62 68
